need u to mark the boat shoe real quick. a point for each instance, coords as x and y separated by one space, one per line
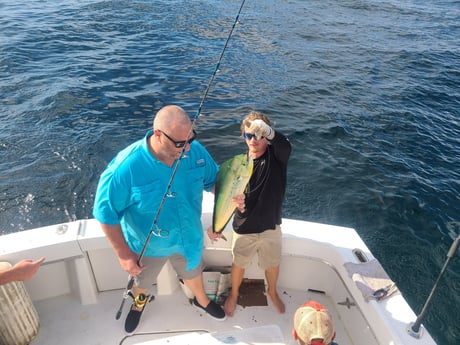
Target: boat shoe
133 318
213 310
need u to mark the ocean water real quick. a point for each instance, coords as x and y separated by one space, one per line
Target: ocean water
368 92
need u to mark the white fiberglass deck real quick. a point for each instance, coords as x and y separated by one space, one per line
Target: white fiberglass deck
65 321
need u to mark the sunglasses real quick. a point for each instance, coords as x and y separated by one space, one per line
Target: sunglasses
249 136
180 144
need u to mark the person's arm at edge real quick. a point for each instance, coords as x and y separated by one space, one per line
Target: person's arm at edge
24 270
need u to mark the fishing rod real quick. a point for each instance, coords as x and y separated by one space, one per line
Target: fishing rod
155 230
414 327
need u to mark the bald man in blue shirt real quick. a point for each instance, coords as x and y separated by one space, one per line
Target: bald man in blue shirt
129 195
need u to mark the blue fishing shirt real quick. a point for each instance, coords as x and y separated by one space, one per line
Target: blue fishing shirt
130 191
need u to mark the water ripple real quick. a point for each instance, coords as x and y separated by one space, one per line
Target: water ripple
367 92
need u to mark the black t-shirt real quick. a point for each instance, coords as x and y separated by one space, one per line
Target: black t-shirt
266 189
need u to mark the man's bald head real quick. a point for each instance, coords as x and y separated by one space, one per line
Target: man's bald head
170 118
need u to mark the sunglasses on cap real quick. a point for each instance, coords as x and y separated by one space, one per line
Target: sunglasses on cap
182 143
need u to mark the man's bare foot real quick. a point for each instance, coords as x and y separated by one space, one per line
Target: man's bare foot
277 302
230 305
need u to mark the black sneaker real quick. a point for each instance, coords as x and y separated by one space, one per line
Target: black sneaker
213 310
133 318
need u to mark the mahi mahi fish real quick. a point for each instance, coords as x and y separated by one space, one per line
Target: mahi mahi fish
232 179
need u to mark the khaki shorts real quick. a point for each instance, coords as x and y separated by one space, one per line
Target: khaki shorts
267 245
153 266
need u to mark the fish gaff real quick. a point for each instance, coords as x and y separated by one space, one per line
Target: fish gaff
232 180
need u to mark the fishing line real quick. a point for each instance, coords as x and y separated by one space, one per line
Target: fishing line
155 230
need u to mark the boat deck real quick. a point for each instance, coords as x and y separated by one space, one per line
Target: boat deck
79 288
169 316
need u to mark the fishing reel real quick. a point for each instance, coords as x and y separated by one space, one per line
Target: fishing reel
141 299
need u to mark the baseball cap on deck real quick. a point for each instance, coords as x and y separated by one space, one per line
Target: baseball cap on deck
313 321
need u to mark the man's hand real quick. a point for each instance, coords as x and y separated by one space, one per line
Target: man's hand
26 269
129 264
239 200
260 129
213 236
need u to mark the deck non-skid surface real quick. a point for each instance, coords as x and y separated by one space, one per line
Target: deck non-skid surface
65 321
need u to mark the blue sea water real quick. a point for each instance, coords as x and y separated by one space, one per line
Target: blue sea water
368 92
